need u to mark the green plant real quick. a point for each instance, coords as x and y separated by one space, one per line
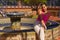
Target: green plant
33 2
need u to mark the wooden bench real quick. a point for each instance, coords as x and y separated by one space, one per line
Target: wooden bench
4 22
27 24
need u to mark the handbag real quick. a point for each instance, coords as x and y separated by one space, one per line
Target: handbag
48 23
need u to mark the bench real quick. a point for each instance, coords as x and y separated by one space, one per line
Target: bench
27 24
4 22
30 23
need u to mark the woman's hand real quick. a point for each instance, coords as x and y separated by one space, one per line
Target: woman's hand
45 27
43 24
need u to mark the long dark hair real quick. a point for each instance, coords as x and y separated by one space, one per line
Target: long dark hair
42 6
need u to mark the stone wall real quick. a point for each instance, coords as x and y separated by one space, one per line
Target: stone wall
31 35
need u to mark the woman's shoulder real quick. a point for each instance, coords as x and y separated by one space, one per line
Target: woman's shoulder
39 11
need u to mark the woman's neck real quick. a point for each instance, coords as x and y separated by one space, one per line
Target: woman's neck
45 11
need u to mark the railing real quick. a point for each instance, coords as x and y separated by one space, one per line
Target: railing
26 7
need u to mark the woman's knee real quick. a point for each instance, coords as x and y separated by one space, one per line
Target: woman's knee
37 29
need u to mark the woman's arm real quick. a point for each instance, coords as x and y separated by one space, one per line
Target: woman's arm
43 23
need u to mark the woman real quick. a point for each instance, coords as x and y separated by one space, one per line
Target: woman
43 16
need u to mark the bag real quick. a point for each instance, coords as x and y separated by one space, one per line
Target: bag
48 23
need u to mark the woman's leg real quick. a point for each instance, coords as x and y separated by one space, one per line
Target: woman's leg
37 29
42 36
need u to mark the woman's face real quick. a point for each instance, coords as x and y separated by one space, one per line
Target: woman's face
44 7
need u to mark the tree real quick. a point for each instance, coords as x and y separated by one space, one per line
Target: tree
33 2
14 2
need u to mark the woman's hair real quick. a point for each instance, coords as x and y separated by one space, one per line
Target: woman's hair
43 4
40 5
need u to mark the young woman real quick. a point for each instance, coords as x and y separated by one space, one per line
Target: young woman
40 25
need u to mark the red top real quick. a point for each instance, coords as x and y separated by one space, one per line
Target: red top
45 17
